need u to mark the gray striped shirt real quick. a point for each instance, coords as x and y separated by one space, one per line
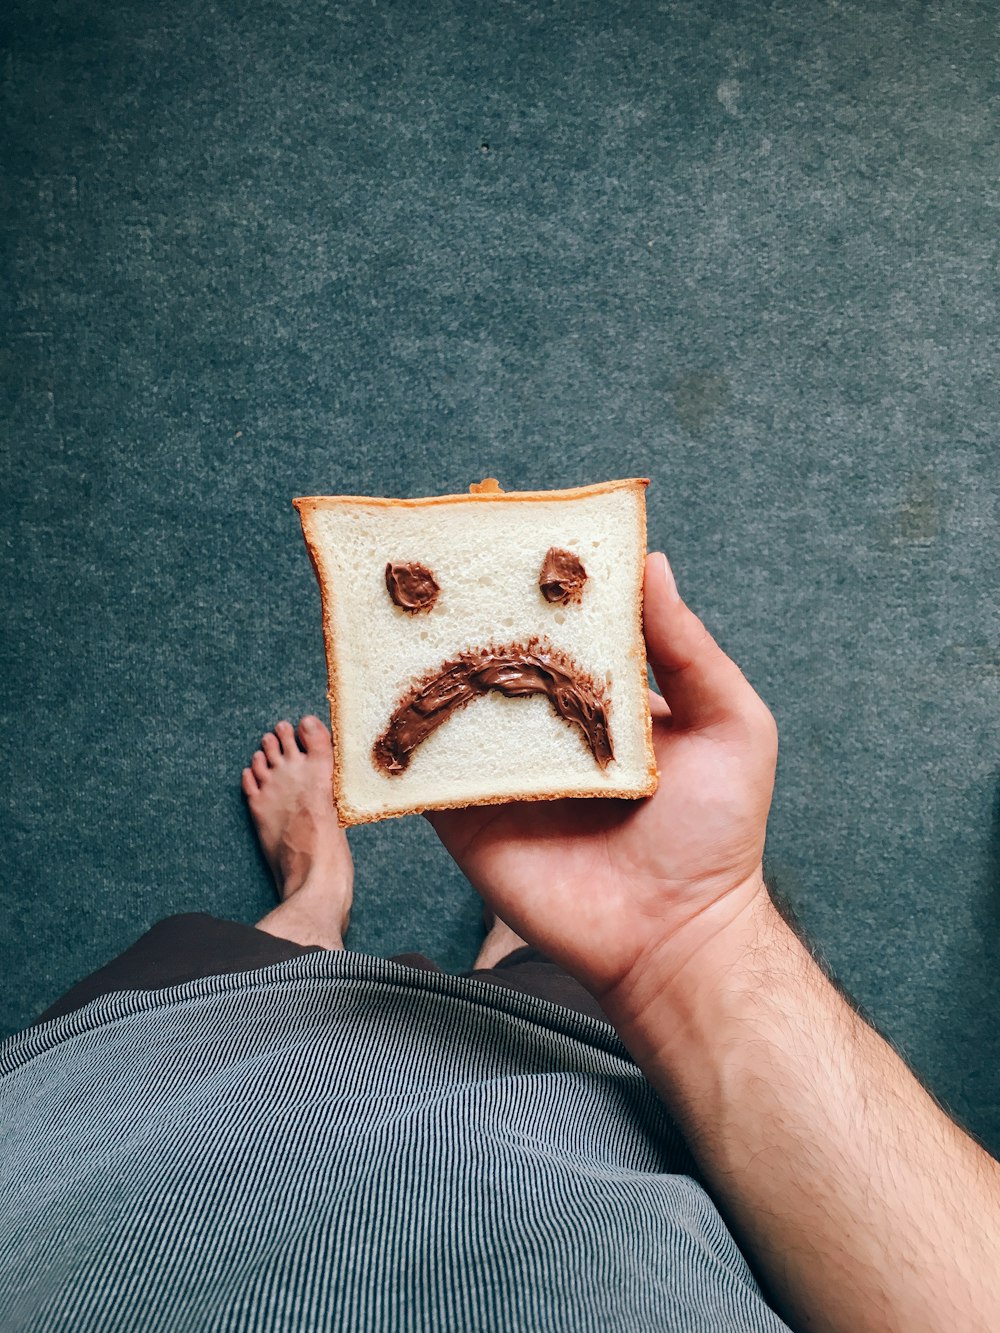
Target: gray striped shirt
338 1142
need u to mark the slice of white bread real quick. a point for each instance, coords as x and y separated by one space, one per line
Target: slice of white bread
485 552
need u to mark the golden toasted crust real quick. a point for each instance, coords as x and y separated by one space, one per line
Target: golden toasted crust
306 503
349 817
307 507
639 650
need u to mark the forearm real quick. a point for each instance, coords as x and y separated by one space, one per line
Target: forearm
862 1205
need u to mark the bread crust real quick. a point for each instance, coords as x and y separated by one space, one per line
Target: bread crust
305 503
308 506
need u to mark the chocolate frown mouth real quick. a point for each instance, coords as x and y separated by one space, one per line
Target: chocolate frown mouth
514 670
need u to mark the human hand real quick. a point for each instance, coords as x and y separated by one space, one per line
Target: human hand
616 891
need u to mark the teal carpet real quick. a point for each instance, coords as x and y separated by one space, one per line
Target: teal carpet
254 251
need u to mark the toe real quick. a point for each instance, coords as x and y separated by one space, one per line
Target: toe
314 736
271 747
259 766
250 784
285 733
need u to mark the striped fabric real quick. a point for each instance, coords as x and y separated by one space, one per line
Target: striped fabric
338 1142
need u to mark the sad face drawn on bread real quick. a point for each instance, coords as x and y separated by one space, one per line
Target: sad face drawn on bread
529 666
483 647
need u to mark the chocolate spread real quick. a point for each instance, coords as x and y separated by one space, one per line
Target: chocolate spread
519 669
562 577
412 587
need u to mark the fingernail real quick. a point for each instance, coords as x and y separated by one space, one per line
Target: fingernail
667 574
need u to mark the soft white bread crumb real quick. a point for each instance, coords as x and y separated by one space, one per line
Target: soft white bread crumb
485 551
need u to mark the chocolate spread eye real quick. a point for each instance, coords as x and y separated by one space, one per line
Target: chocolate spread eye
411 586
562 576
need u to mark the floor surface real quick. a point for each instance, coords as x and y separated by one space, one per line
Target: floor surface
256 251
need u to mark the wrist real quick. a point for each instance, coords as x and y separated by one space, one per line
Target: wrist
700 977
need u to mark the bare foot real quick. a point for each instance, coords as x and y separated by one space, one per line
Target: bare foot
499 942
287 787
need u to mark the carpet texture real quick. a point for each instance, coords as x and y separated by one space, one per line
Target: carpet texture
257 250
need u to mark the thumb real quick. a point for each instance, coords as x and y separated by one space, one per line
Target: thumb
703 687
